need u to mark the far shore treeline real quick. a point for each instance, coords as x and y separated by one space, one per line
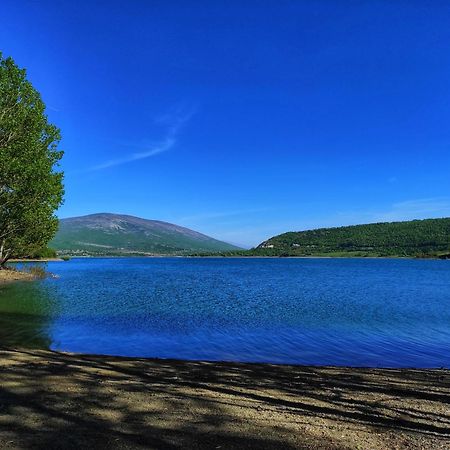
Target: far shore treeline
31 187
415 238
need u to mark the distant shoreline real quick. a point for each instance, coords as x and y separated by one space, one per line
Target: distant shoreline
240 257
25 260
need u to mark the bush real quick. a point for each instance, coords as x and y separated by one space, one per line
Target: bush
37 271
45 252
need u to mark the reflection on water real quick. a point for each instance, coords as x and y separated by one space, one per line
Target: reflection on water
26 313
360 312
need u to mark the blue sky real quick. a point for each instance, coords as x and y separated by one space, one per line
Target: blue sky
244 119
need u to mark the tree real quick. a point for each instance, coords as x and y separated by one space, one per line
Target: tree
31 188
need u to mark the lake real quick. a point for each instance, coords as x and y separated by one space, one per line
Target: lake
355 312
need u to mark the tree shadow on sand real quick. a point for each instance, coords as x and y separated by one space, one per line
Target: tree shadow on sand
55 400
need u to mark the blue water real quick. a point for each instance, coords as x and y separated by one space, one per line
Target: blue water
359 312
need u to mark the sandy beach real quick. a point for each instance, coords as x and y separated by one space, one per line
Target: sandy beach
59 400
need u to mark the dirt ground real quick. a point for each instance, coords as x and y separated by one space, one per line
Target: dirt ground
8 276
67 401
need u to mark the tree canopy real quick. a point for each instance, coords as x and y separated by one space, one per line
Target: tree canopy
31 187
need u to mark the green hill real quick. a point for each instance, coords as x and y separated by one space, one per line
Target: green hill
430 237
113 234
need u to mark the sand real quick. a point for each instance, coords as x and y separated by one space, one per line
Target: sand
59 400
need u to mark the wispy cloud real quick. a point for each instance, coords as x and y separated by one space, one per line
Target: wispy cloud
173 122
416 209
422 208
158 148
176 119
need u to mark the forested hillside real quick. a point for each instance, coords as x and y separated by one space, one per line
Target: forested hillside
430 237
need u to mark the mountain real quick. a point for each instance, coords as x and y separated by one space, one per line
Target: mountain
114 234
429 237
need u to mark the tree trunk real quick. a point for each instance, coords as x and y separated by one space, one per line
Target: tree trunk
4 255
